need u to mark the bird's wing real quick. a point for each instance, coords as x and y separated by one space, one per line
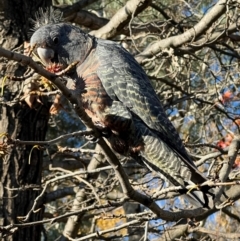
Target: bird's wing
125 80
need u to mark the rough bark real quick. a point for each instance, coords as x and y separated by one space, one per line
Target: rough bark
21 122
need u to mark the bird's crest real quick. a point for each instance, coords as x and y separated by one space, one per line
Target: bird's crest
49 16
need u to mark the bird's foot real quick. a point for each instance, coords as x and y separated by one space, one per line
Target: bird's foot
92 138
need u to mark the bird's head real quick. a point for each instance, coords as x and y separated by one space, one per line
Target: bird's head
61 43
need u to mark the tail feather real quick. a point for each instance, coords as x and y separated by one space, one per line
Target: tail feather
160 157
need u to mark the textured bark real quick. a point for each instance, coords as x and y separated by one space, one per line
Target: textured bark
21 122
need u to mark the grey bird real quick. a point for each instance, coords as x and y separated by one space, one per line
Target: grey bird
117 95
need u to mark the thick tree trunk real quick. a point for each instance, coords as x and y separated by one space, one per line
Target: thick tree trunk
16 171
20 122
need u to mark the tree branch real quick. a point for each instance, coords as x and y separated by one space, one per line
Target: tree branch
189 36
121 19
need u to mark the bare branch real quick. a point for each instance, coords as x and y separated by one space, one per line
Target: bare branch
50 142
121 19
217 233
189 36
87 19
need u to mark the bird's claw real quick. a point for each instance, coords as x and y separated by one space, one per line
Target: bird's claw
92 138
194 187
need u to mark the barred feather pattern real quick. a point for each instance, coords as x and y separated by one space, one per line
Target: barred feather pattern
160 157
125 81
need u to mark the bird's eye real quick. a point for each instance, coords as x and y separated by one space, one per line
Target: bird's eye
55 40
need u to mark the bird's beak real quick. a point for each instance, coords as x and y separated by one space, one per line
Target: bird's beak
46 55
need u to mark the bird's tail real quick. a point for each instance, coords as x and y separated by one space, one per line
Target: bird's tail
162 158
